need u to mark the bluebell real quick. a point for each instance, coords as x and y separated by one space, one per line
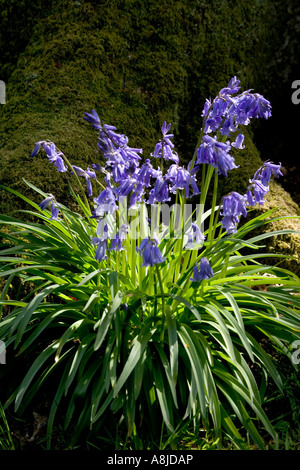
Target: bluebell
204 271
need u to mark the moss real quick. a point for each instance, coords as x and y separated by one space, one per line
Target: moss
288 244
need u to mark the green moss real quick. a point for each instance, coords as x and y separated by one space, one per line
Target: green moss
288 244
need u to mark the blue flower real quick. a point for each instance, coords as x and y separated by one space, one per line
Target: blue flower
227 112
150 252
229 126
164 148
259 190
195 237
233 206
248 106
98 167
88 174
216 154
45 203
259 183
204 272
232 88
54 156
117 242
125 188
268 170
101 247
54 211
54 206
206 108
37 148
93 119
181 179
136 195
216 111
160 192
239 142
146 172
114 147
106 203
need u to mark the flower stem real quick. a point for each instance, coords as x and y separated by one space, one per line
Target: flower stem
213 206
68 225
78 181
161 288
178 265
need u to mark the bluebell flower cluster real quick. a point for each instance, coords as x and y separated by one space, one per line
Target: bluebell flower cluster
126 176
165 147
234 205
216 154
259 185
227 112
222 117
54 156
150 252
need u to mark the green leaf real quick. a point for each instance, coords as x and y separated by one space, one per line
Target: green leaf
234 386
38 363
139 344
139 373
27 312
163 399
78 356
168 372
69 333
220 325
173 344
185 334
103 324
237 326
93 297
190 306
89 277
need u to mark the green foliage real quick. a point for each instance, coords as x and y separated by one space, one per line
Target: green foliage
177 353
6 440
